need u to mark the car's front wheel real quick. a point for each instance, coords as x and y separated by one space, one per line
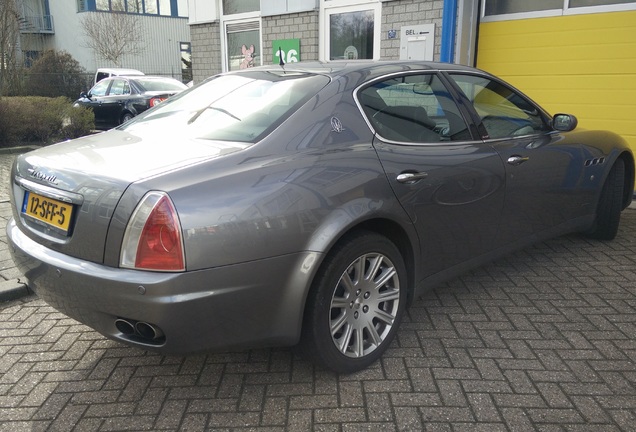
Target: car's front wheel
356 303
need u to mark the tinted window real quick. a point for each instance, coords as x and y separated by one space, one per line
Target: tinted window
413 108
504 113
236 107
155 84
117 88
100 88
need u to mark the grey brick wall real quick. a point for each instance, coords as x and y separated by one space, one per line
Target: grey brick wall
398 13
303 26
206 50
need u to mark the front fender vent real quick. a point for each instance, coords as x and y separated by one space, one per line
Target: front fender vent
595 161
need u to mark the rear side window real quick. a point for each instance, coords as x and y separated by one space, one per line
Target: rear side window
413 109
149 84
503 112
118 88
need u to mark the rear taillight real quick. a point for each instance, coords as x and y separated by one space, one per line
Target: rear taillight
152 240
156 101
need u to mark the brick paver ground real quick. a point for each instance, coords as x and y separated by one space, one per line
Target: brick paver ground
544 339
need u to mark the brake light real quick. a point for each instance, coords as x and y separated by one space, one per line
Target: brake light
152 240
156 101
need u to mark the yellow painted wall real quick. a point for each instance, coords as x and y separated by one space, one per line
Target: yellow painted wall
579 64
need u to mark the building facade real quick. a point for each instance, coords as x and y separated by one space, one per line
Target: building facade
229 34
163 24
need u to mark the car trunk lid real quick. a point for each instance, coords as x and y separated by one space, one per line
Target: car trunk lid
65 194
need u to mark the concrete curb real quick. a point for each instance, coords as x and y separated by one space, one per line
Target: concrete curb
13 289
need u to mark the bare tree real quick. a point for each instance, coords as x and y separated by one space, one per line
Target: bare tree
9 40
111 35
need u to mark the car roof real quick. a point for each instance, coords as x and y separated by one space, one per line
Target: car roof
120 71
140 77
370 69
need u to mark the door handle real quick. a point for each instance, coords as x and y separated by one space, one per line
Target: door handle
411 177
517 160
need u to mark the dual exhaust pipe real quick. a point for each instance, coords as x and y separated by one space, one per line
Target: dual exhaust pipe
146 331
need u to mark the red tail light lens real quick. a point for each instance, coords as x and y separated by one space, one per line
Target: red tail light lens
152 240
156 101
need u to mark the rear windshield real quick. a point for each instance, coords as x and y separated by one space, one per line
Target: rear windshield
156 84
241 107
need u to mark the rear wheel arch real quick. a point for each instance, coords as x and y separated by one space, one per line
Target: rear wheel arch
331 347
388 229
125 116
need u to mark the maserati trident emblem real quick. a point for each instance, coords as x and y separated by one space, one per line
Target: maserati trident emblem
39 175
336 125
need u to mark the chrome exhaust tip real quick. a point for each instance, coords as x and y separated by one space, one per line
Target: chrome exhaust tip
148 331
125 326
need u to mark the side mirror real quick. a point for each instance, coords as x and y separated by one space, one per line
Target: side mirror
83 95
564 122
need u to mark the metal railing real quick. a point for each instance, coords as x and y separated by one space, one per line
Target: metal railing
37 24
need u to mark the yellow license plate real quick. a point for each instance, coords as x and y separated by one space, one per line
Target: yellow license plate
48 210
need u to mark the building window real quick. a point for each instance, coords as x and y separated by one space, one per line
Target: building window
102 5
135 6
186 61
243 45
351 35
182 8
584 3
148 7
351 32
502 7
492 9
231 7
164 8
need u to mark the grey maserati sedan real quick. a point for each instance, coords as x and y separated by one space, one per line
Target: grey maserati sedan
303 204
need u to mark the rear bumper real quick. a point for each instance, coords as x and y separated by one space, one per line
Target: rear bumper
259 303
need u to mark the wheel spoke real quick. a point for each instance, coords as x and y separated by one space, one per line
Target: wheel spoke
376 263
388 295
337 324
375 337
349 285
390 273
339 303
384 316
358 349
345 339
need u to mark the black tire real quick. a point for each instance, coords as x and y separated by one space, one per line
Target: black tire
610 205
127 116
364 312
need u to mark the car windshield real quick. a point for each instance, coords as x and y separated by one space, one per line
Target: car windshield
159 84
241 107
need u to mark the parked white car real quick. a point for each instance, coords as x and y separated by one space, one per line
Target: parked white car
109 72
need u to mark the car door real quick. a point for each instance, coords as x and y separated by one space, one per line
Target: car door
544 171
95 100
449 182
113 104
